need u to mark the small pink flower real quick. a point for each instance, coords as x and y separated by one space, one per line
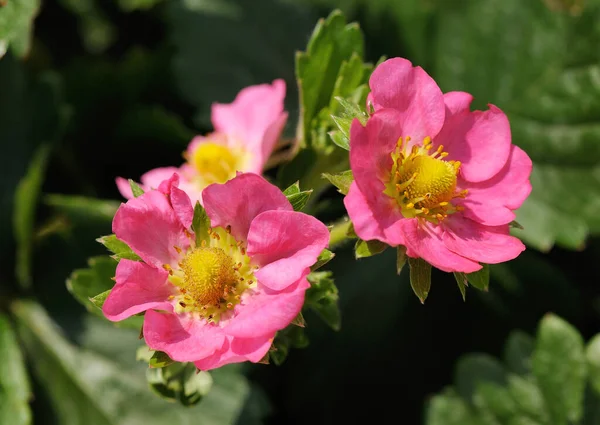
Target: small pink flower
221 300
245 135
434 176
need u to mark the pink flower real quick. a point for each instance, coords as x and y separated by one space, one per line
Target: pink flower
246 132
219 300
434 176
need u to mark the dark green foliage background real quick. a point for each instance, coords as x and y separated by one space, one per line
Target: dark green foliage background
116 87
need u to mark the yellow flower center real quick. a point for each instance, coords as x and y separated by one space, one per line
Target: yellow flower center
215 163
207 272
423 183
212 277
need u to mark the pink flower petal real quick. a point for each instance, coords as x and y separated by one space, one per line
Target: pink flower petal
425 241
284 244
182 337
457 102
237 202
124 187
249 117
258 158
153 178
492 202
373 213
480 140
481 243
139 287
180 201
397 84
151 228
236 350
385 228
266 312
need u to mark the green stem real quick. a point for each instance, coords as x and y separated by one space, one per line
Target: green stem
339 233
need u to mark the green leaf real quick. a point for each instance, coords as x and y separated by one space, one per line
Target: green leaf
26 197
420 277
559 366
448 409
118 247
322 297
81 208
200 224
92 285
340 139
473 369
528 397
135 188
400 258
16 21
332 42
297 198
494 402
364 249
88 388
592 354
550 92
342 180
517 352
324 257
15 391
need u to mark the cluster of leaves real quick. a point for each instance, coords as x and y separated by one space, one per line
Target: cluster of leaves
554 379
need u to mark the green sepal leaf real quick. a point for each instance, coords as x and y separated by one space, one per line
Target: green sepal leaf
324 257
118 247
341 180
291 337
159 359
515 225
461 281
99 299
135 188
364 249
420 277
179 382
559 366
200 224
322 297
481 278
16 22
97 281
296 197
400 258
299 321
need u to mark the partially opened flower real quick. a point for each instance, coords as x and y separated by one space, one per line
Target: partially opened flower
222 298
434 176
246 132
